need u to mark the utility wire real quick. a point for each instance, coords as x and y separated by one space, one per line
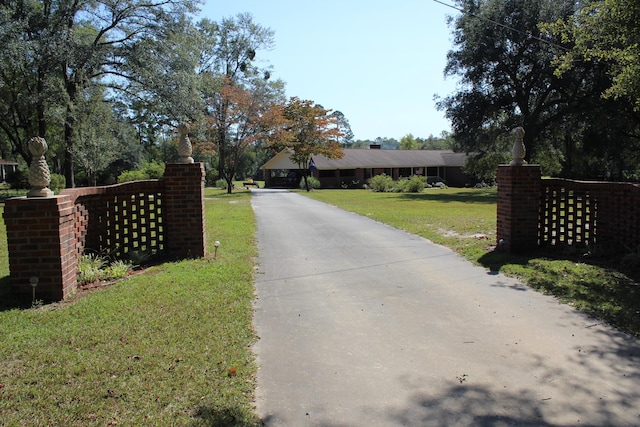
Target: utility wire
499 24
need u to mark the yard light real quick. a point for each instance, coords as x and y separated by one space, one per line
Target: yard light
33 281
216 244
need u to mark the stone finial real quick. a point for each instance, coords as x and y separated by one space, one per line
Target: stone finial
39 176
184 146
519 150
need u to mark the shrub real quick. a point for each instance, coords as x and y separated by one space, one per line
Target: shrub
132 175
381 183
415 184
116 270
149 170
314 183
58 182
90 268
221 183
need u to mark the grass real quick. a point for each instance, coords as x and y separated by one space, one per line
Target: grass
168 347
173 346
465 220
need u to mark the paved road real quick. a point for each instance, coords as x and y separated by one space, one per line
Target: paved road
361 324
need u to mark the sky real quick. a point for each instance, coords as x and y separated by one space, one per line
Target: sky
379 62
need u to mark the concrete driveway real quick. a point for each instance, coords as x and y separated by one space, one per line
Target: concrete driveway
361 324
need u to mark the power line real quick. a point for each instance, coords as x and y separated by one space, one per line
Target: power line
500 24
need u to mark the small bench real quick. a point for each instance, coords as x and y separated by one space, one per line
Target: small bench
248 183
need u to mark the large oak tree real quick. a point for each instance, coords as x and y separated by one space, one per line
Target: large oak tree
506 65
58 49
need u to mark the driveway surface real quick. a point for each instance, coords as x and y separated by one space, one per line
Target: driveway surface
361 324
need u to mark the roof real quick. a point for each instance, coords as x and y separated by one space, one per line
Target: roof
363 158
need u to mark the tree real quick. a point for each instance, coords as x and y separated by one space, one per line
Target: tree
95 145
248 117
232 79
308 129
59 49
346 140
506 65
408 142
605 30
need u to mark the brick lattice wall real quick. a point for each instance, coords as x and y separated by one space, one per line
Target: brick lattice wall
46 236
590 212
118 219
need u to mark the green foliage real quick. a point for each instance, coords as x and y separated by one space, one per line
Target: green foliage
408 142
384 183
151 350
19 179
413 184
313 182
58 182
221 183
605 31
569 128
90 268
381 183
149 170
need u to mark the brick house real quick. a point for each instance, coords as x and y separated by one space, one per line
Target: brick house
358 165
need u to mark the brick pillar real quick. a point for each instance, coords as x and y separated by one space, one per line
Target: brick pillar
184 210
518 206
42 244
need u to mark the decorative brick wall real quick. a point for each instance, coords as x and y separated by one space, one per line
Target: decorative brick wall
46 235
518 205
184 209
41 243
535 212
590 213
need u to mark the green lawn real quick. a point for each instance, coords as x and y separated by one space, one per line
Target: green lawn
465 220
168 347
172 346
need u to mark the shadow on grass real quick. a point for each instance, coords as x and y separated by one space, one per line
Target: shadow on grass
487 197
599 286
223 417
8 299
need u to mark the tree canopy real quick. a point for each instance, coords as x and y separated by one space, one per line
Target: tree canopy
507 68
605 30
307 129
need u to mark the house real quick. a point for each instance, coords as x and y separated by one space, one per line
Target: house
6 167
358 165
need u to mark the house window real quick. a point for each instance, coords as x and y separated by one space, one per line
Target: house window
326 173
432 171
405 172
344 173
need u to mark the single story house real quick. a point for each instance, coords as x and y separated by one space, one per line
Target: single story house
358 165
6 167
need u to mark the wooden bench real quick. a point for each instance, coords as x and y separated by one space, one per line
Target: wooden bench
246 184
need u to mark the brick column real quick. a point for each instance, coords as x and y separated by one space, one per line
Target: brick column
184 210
41 241
518 206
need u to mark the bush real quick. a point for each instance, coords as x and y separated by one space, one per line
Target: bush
384 183
134 175
149 170
415 184
19 179
221 183
58 182
314 184
381 183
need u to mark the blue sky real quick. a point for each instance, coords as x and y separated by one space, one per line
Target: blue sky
378 62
